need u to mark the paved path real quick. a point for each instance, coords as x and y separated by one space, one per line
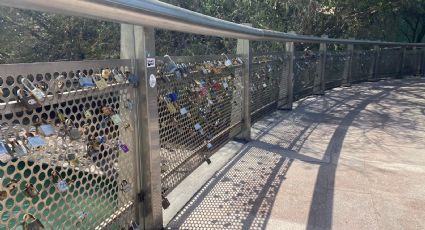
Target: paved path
353 159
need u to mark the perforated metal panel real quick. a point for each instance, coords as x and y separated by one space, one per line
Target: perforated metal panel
305 72
361 65
267 73
198 112
411 65
65 183
389 63
334 68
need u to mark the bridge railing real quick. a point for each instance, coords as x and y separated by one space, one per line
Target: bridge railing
122 134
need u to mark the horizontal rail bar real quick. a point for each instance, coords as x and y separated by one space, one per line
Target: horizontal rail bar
157 14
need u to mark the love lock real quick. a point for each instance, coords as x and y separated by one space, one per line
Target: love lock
32 223
37 93
25 99
84 81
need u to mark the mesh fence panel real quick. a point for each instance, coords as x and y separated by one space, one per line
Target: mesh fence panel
305 73
267 73
361 65
388 63
67 163
334 68
199 108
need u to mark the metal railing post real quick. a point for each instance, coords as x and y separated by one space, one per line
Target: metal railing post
346 82
423 62
418 60
319 86
402 62
288 77
138 44
244 49
376 59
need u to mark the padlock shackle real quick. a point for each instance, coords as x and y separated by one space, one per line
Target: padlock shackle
169 58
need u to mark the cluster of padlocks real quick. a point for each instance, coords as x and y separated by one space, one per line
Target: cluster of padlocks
60 133
195 102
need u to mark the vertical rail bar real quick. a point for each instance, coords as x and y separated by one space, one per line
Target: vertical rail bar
402 62
376 61
244 49
418 60
319 86
288 77
148 127
346 82
423 62
128 51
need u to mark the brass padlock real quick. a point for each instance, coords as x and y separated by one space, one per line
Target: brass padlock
32 223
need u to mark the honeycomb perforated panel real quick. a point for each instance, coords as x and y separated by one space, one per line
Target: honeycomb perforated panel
334 68
361 65
199 107
388 63
265 83
68 162
305 73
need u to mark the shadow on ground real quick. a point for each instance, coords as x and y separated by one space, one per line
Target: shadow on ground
242 194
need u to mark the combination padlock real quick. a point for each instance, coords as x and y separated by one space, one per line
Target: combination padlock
37 93
32 223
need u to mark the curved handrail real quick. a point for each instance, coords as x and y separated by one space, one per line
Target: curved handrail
157 14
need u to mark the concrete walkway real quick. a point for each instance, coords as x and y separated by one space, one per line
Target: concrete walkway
352 159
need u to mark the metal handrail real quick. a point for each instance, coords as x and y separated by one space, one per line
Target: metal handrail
157 14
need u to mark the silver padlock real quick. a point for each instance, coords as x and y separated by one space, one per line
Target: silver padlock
27 100
37 93
227 62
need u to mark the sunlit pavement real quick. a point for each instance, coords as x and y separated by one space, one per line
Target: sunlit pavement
352 159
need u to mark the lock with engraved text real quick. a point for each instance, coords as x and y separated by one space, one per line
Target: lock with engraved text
32 223
37 93
27 100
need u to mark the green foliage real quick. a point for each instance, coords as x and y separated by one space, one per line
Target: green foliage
28 36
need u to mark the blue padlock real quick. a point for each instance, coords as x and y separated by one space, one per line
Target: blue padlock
134 80
173 97
47 130
85 81
35 143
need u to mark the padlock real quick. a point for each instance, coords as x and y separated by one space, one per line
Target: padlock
165 202
19 148
59 183
134 80
84 81
183 111
227 62
73 132
207 159
106 73
199 128
125 186
134 226
88 114
81 217
12 185
171 108
35 143
3 195
32 223
101 139
124 148
4 153
173 97
28 101
31 191
264 85
116 119
209 146
118 76
37 93
46 130
107 111
100 82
